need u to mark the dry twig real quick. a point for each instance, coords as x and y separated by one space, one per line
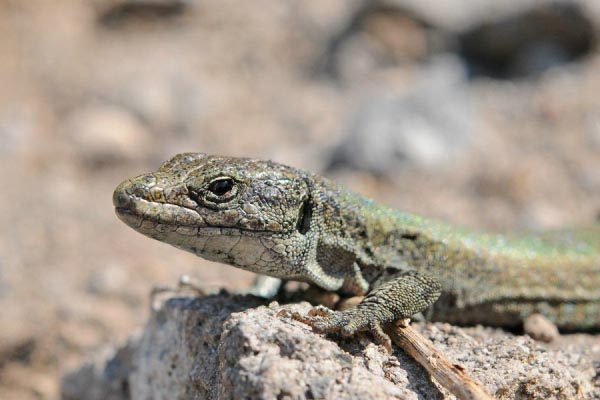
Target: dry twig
451 376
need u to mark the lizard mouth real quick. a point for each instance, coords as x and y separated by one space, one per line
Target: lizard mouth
151 226
144 216
164 213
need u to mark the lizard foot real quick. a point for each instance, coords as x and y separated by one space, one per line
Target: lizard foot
399 298
347 323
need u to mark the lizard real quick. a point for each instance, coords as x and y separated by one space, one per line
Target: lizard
291 224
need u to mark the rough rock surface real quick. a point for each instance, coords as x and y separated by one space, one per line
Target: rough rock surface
226 347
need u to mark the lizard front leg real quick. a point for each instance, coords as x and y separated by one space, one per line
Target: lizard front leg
398 298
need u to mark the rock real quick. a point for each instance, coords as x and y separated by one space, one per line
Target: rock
179 349
502 40
102 133
458 15
261 358
104 378
430 123
116 13
528 43
540 328
377 37
225 347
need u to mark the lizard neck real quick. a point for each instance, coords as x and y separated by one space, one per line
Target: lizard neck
379 236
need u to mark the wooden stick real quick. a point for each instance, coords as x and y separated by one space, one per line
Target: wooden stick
451 376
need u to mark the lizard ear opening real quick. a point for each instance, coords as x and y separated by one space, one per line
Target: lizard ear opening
304 217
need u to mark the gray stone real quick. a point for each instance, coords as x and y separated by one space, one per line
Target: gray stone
103 133
428 123
225 347
106 377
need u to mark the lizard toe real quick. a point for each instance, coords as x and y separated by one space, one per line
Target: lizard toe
330 324
348 330
320 311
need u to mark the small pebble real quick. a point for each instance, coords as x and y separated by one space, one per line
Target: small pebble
540 328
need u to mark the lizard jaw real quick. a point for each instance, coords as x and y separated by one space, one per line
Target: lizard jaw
255 251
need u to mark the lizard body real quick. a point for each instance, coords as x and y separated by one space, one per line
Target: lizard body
288 223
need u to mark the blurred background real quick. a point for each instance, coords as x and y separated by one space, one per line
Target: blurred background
483 113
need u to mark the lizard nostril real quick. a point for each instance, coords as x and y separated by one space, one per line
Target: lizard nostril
140 192
120 197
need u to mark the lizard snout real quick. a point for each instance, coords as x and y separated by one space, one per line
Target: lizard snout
122 199
130 191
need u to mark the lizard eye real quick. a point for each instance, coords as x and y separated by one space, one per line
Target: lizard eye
221 186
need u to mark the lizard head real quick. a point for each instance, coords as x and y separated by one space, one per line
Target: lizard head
248 213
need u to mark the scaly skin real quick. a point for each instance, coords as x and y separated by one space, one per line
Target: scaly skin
287 223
